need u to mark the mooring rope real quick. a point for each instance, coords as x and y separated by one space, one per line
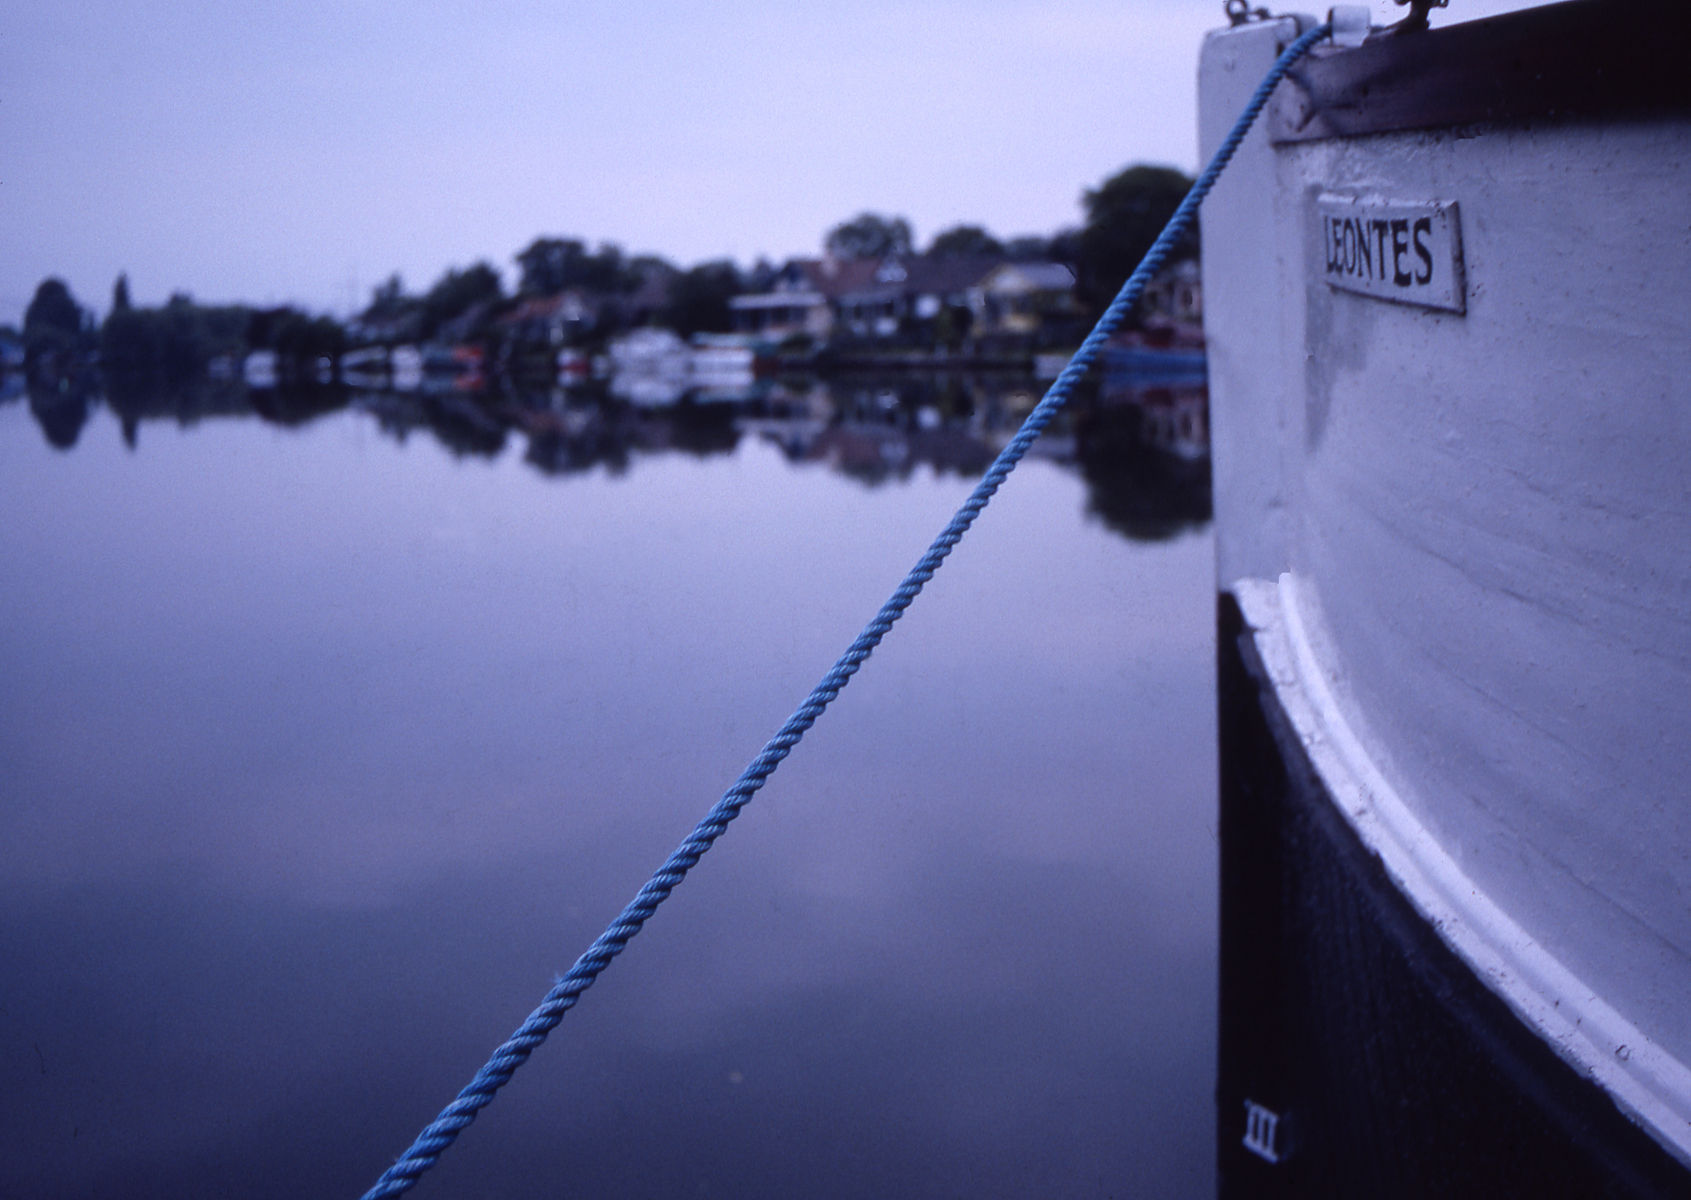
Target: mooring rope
444 1129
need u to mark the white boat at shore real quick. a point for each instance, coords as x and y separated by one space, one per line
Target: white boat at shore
654 368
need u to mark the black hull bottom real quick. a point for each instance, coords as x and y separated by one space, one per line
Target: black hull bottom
1378 1065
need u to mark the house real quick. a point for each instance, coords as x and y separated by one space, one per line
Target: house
936 284
919 299
467 325
871 308
801 300
1034 300
924 297
549 320
1176 294
782 314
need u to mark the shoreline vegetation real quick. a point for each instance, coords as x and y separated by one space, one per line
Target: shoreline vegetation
871 300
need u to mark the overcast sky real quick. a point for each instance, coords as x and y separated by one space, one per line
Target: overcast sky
301 153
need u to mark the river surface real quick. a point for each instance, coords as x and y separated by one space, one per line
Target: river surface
331 732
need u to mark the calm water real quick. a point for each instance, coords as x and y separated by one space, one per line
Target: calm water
327 739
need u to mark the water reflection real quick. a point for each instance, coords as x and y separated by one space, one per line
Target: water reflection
61 408
1141 444
325 750
1144 450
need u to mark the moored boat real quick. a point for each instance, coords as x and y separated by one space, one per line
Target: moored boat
1448 335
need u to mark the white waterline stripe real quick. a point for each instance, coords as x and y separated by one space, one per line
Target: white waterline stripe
1649 1084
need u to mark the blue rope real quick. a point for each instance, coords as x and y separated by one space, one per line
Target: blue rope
441 1133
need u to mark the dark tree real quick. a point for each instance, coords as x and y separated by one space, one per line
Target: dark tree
642 268
650 284
455 292
762 276
698 299
128 338
1142 493
605 270
1124 214
869 235
388 298
392 316
546 264
549 265
60 408
965 241
1036 247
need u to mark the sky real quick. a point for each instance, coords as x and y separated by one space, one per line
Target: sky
301 154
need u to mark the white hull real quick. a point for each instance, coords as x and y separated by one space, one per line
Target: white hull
1463 537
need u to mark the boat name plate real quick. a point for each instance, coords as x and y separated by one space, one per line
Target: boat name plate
1404 251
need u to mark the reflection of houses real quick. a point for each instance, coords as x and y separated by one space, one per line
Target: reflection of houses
451 367
1178 421
1024 299
365 367
406 363
721 366
258 369
1173 418
874 452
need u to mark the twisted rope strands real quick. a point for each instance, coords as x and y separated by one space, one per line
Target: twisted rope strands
439 1134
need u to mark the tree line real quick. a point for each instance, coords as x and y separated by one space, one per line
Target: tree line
175 342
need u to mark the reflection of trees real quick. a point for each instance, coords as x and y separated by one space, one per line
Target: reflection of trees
1141 452
137 397
396 413
878 453
60 407
571 440
577 430
697 429
464 427
172 346
295 406
1136 487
